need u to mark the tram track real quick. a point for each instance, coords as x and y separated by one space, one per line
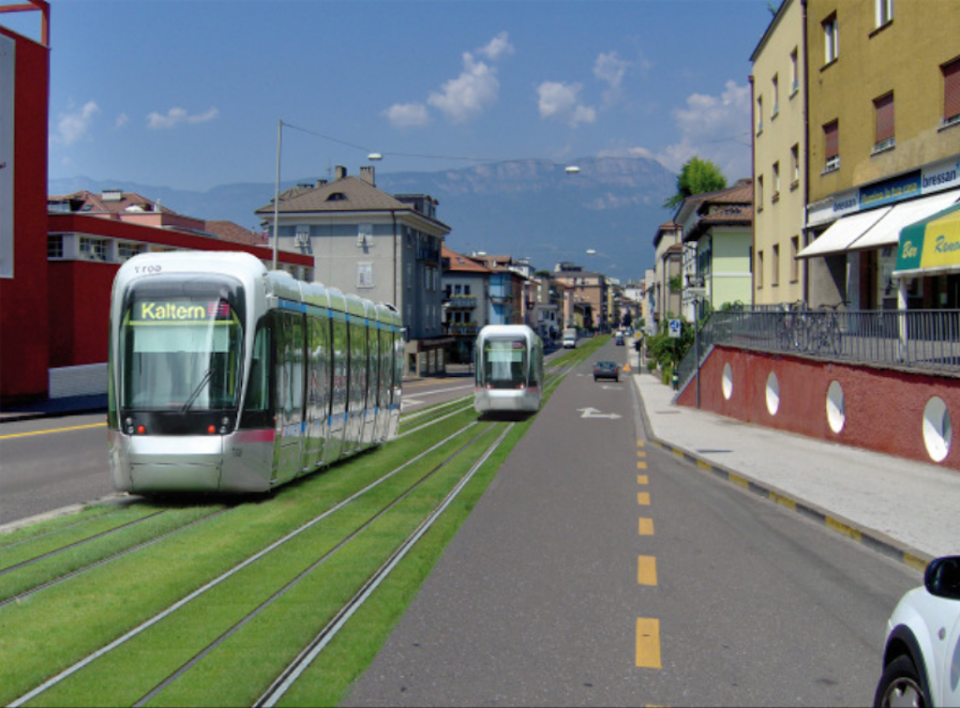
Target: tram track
142 627
104 666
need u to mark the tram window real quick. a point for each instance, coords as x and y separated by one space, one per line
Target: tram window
256 411
505 361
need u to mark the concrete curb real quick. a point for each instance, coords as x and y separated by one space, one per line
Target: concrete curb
870 538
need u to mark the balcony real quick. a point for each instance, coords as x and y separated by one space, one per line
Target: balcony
460 302
460 329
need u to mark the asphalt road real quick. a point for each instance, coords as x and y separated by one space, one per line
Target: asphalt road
599 570
50 463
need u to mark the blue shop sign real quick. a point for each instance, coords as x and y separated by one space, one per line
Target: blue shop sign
894 190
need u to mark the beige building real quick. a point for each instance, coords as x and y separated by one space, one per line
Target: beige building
779 153
667 282
884 144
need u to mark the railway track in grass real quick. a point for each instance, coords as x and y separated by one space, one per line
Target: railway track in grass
216 612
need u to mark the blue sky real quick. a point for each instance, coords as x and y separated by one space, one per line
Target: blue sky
187 93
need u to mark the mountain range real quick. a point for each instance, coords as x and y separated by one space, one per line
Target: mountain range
527 209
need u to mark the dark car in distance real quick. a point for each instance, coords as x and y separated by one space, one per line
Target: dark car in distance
606 370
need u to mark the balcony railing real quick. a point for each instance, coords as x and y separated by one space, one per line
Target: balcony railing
461 302
461 329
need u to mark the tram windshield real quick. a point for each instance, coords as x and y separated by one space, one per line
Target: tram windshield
505 362
181 352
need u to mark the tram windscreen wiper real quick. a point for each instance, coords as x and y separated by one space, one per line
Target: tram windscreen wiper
196 392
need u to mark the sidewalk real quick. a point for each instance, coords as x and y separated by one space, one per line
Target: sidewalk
900 507
54 407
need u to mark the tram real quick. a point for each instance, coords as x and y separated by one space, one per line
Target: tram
227 377
509 369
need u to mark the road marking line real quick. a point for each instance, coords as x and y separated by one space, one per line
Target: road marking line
643 479
646 570
648 643
646 527
641 465
643 498
54 430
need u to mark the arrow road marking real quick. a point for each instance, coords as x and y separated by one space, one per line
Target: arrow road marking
595 413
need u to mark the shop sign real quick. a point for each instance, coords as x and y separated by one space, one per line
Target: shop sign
832 209
894 190
931 244
940 176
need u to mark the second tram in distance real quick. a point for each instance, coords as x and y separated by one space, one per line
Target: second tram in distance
226 377
509 369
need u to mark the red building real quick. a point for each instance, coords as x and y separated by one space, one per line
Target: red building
57 266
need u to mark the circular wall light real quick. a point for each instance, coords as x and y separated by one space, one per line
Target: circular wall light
773 393
836 408
727 381
937 430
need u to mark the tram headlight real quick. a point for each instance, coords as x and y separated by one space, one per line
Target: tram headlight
224 425
128 426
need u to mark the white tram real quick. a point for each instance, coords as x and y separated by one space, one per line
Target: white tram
226 377
509 369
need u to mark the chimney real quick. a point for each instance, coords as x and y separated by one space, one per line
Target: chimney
339 172
367 175
321 182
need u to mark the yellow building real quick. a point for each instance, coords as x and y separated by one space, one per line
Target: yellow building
779 153
883 135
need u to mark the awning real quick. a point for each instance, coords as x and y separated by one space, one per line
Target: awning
843 232
930 246
887 231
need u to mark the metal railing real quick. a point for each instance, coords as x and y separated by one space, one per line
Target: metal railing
924 340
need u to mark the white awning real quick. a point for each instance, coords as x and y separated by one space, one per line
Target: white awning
843 232
887 231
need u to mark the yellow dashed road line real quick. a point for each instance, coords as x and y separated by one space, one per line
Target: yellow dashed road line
648 643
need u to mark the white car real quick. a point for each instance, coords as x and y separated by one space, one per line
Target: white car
921 657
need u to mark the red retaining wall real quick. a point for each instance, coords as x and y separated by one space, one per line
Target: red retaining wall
883 407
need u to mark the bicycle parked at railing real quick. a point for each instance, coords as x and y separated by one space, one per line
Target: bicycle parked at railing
792 328
824 331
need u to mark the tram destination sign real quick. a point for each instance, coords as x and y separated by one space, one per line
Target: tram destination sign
178 311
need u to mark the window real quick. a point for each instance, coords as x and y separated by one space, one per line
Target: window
55 246
884 10
759 114
776 97
794 167
775 267
951 92
93 249
831 48
759 277
794 72
127 250
794 261
884 131
831 146
760 192
365 275
776 182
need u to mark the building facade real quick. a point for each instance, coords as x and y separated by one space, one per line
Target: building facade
778 84
884 145
385 248
466 303
665 290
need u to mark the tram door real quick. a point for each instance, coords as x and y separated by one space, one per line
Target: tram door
288 380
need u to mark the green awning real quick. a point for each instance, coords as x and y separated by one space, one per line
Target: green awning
930 246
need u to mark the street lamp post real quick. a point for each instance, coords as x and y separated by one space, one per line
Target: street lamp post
276 194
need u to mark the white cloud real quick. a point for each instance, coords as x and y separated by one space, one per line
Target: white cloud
467 96
178 116
497 47
407 115
463 98
73 126
716 128
122 120
610 69
562 101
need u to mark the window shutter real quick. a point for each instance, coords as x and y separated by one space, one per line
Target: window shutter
885 125
951 89
831 134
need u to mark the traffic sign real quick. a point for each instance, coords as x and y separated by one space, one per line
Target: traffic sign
675 329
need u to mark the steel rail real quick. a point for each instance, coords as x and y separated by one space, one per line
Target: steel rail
142 627
199 656
306 657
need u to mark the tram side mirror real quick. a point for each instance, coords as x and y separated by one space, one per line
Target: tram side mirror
942 577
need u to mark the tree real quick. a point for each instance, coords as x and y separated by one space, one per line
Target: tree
696 177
